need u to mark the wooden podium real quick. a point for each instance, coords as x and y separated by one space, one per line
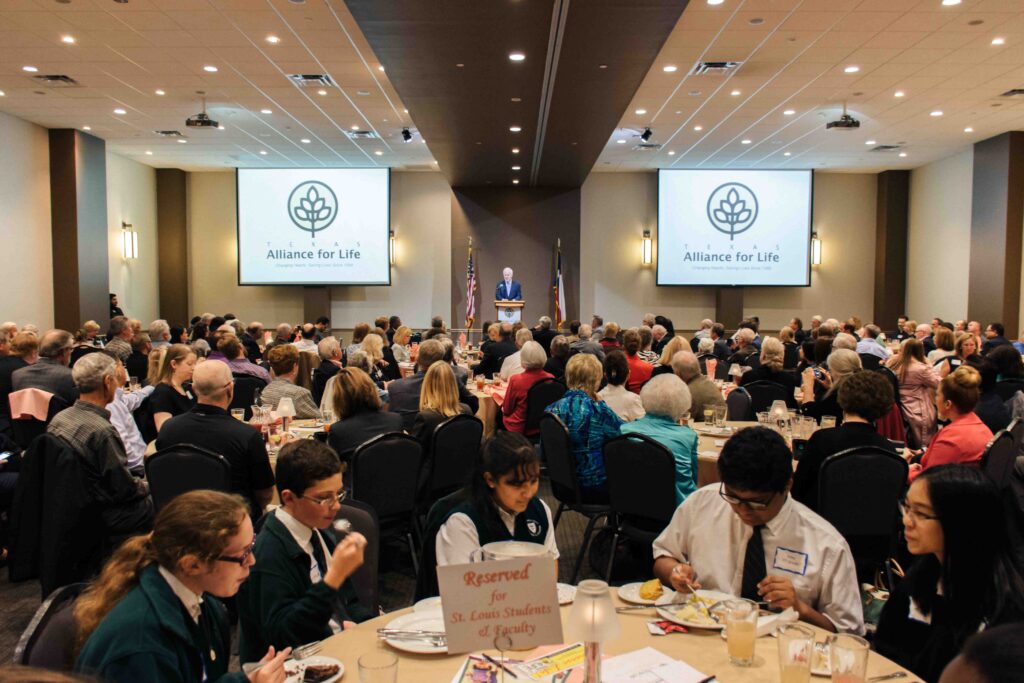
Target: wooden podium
509 311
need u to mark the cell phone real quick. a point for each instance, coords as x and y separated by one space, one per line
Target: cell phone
799 447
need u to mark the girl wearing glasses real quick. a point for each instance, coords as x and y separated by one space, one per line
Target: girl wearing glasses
965 579
153 613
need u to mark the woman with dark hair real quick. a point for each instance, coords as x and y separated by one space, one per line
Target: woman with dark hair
359 333
993 656
963 440
639 369
1007 361
990 407
624 403
965 579
198 332
965 348
917 391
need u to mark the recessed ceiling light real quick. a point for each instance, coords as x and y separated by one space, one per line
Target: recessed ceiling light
937 112
86 127
273 40
160 92
787 154
734 93
870 142
670 68
516 56
220 127
304 141
745 142
789 112
182 141
321 92
899 93
2 93
698 128
266 111
406 111
903 154
515 181
70 40
852 69
354 127
30 69
210 69
950 3
460 65
715 2
517 168
120 111
379 153
263 152
640 112
999 41
671 153
515 150
602 66
620 142
968 129
514 129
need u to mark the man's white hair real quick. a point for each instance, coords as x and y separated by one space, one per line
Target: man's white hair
845 340
585 331
522 336
327 347
90 371
159 330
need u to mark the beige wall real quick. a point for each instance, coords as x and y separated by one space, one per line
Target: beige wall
27 293
131 197
938 256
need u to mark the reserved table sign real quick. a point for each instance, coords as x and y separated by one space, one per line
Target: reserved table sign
501 605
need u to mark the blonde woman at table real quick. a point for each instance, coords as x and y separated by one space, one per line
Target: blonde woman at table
400 347
357 409
154 614
439 400
373 347
175 366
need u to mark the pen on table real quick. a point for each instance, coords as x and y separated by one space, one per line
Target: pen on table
495 662
707 680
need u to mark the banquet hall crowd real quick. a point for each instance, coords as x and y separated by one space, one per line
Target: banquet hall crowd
165 591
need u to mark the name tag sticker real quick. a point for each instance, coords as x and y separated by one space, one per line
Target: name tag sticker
792 561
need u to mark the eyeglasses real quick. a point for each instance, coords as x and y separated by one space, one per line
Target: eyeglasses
240 559
329 500
908 511
747 502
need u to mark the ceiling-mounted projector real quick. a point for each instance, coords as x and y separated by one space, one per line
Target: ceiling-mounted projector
201 120
845 122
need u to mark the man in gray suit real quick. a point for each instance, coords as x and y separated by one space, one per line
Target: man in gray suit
405 393
51 372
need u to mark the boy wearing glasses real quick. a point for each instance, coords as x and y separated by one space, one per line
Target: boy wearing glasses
747 537
298 590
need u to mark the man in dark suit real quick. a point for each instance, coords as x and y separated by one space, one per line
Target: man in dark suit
508 289
495 352
543 334
404 394
722 350
995 336
330 362
51 372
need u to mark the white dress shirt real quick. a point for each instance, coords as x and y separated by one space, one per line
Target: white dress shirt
303 535
191 601
625 403
798 545
457 538
512 365
121 409
306 345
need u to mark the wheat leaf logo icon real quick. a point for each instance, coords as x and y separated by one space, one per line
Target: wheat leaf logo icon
732 209
312 206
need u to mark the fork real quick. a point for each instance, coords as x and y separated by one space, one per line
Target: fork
298 653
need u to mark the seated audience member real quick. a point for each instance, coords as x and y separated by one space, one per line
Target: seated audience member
251 341
869 343
439 400
842 363
590 422
994 338
119 338
923 333
495 353
703 392
359 361
639 369
329 349
51 372
844 340
121 416
307 338
238 363
176 363
405 392
22 351
159 334
513 363
944 347
666 399
964 348
790 349
746 353
282 335
965 578
209 425
154 613
610 339
225 330
917 391
513 409
357 412
659 338
995 655
646 340
555 364
394 323
501 503
963 440
323 328
1007 363
138 359
722 350
543 334
668 352
298 591
740 535
705 349
597 325
807 355
123 501
586 344
359 333
773 359
990 409
284 362
400 346
625 403
461 372
863 397
373 347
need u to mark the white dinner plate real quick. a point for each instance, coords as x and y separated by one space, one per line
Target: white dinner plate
299 668
566 593
631 593
426 604
670 614
427 620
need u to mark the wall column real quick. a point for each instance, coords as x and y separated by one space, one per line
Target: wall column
892 221
316 301
729 306
172 244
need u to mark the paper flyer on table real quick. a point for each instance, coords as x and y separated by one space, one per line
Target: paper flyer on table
648 666
544 667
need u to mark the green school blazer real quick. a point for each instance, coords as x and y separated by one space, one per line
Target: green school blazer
149 636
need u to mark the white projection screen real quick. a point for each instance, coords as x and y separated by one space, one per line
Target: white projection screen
734 228
313 226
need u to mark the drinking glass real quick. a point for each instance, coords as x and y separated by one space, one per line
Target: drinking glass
848 656
741 630
378 666
828 421
327 415
133 384
709 415
238 414
720 413
685 418
796 649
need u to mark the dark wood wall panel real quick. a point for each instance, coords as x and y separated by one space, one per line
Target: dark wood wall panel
172 244
729 306
892 221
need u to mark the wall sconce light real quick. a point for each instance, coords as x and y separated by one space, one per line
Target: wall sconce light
391 247
815 249
129 242
648 254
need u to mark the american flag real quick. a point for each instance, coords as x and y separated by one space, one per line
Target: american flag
559 288
470 289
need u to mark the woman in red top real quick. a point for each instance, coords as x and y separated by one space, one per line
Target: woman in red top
639 369
513 410
964 439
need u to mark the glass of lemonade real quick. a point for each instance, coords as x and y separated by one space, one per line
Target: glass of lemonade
796 649
741 630
848 656
709 416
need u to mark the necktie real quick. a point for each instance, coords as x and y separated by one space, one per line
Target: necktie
318 552
753 565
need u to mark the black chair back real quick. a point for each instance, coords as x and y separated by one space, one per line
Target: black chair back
999 458
870 361
740 405
454 449
365 580
1008 387
1016 429
763 393
385 473
49 641
245 392
722 370
185 467
641 478
538 398
557 448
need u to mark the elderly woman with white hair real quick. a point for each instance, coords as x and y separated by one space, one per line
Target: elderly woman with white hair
842 363
513 409
666 399
773 360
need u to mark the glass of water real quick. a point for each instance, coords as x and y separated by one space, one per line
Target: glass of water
828 421
720 414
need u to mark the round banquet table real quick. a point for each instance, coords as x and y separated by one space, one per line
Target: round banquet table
703 650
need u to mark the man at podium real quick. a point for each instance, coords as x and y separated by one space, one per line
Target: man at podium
508 289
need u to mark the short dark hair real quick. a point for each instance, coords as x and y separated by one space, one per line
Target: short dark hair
718 329
616 368
302 463
574 326
323 320
997 328
216 322
748 324
799 323
987 369
1007 361
755 459
866 394
176 333
394 322
228 317
997 653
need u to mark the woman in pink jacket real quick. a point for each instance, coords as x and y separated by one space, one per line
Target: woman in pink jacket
917 391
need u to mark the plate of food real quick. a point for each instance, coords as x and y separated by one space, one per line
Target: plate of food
694 613
646 593
426 604
430 621
566 593
315 669
820 663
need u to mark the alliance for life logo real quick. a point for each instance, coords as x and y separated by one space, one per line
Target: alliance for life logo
732 209
312 206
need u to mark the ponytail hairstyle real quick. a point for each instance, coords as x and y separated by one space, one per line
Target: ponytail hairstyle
962 388
196 523
168 355
503 454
